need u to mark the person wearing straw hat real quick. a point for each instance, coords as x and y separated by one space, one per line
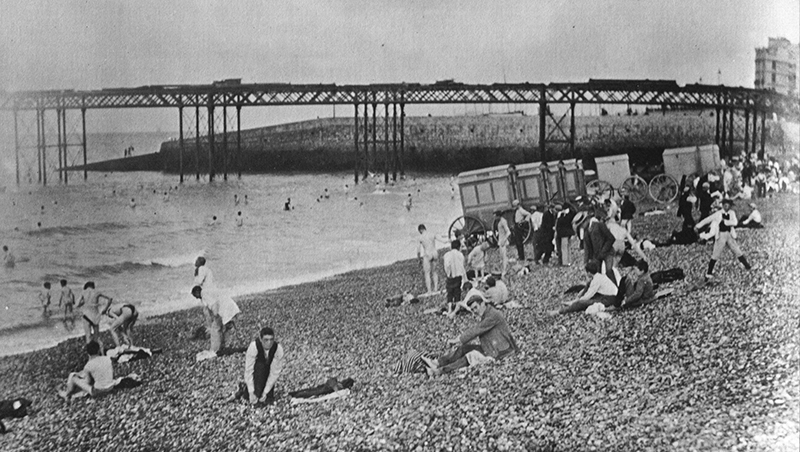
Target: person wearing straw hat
753 220
724 222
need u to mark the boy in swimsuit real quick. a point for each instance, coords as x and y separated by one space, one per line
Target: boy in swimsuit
67 297
44 299
426 252
124 317
90 302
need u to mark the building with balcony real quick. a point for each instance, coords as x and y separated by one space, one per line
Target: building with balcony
777 66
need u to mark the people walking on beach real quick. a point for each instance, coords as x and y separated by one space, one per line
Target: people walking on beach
522 223
263 364
97 374
503 234
45 297
9 261
724 223
427 254
67 298
493 333
455 272
124 317
92 312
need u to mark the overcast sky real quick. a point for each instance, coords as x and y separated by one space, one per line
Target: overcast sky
100 44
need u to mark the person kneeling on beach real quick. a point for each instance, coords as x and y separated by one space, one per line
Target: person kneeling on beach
492 331
600 290
97 374
263 364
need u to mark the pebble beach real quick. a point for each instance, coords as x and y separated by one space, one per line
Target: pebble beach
709 369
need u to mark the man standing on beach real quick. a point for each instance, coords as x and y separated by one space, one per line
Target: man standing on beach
503 233
725 221
426 252
90 302
456 273
67 297
522 222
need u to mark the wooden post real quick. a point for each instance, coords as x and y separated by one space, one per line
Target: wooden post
355 139
180 139
83 127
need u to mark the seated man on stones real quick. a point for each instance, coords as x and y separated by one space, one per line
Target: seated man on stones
600 290
639 292
463 305
496 291
97 375
753 220
492 332
263 363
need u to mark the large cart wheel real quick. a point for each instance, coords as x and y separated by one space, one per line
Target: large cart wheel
466 227
635 187
527 230
599 188
663 188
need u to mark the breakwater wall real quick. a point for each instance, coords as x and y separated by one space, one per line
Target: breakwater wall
450 144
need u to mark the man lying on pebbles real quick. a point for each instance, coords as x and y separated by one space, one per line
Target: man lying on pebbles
496 341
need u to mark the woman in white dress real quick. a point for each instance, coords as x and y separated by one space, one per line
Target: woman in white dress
218 307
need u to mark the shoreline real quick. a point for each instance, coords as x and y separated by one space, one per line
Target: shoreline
655 377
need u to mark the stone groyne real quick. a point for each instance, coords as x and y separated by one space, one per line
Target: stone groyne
449 144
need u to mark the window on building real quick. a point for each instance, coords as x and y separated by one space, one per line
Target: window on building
773 78
774 65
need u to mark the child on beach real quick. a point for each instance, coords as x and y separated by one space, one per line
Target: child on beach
124 317
44 299
67 297
476 258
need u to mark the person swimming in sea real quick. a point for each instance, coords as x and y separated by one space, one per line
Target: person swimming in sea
288 204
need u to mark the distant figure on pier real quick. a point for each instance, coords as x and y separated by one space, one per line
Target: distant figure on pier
239 219
9 261
407 203
288 204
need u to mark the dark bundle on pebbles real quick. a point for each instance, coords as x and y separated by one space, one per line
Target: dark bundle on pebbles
710 369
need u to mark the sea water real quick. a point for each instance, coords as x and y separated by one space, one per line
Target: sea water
137 235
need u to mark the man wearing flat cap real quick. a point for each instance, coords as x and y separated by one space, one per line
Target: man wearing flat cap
724 223
522 220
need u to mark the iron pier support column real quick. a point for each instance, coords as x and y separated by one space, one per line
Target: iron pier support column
16 145
366 140
375 167
83 129
39 144
386 144
571 131
394 142
731 132
239 141
211 138
180 139
402 140
746 130
755 129
59 144
542 124
224 142
716 130
66 143
357 154
723 142
44 150
763 134
197 140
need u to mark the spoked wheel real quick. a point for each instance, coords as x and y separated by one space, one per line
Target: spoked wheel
663 188
466 227
599 188
635 187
